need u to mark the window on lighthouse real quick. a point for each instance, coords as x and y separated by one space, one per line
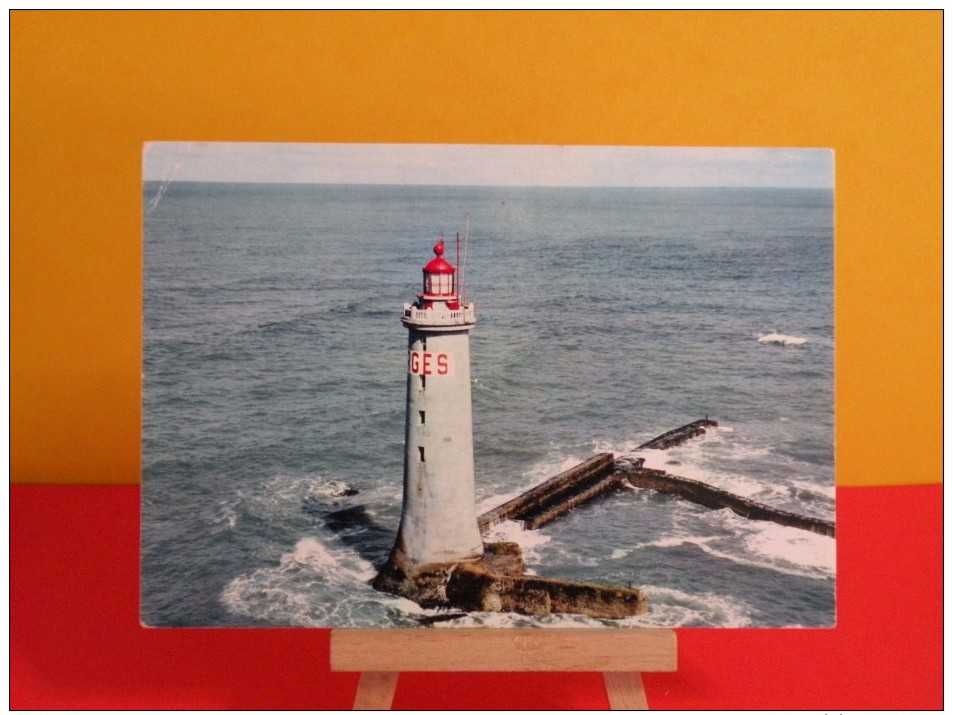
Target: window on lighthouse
438 283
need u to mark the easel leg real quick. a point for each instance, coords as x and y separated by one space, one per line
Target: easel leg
375 691
625 691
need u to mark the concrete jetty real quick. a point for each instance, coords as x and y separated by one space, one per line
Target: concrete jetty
558 495
715 498
497 581
603 473
675 437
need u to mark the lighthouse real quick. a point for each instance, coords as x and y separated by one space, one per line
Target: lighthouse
438 522
439 558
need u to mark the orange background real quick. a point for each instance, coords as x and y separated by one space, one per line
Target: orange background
87 89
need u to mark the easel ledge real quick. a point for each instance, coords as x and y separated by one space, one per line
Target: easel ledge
621 655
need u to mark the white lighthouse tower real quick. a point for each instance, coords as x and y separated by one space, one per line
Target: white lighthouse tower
438 559
439 522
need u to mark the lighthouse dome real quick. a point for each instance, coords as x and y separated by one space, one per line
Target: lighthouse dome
439 264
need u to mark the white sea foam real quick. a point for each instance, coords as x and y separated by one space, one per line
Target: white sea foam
537 474
671 608
517 620
289 592
530 541
311 553
781 339
692 461
226 517
826 492
494 501
294 488
764 544
262 595
785 545
339 568
670 542
722 460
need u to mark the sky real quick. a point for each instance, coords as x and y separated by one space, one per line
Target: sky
488 165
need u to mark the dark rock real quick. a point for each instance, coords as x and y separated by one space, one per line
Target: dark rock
496 583
474 588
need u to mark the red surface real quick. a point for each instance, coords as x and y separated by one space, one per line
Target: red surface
439 264
76 640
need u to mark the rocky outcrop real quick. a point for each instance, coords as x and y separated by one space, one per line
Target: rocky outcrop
497 583
474 588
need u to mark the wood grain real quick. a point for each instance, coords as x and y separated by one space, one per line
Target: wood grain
375 691
625 691
630 650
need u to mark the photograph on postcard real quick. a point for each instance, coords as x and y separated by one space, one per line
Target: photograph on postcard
487 386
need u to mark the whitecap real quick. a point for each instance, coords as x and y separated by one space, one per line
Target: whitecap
827 492
781 339
764 544
313 585
226 517
530 541
670 607
801 549
689 461
534 476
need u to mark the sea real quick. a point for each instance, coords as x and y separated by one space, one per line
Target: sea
275 375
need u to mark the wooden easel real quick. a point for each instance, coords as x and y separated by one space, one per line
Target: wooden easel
620 654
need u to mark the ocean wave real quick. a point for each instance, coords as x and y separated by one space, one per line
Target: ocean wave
314 586
302 323
801 549
781 339
808 491
721 459
530 541
291 501
763 544
691 460
225 517
296 488
671 608
555 463
311 553
555 620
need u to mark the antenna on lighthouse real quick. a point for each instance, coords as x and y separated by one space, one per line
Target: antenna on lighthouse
466 237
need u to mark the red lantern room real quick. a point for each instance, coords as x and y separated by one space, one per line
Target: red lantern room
439 280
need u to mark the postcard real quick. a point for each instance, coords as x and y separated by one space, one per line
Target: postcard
397 386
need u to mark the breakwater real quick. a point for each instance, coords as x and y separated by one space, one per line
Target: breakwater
603 473
556 496
715 498
497 581
676 436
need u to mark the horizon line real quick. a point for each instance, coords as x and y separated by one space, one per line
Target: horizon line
751 187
